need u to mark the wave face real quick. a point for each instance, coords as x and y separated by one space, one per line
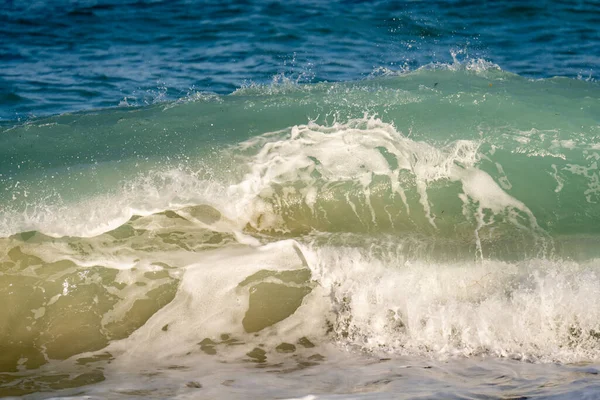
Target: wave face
450 212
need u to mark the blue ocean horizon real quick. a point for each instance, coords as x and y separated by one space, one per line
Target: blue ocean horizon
62 56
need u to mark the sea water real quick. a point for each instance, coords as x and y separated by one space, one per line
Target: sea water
302 200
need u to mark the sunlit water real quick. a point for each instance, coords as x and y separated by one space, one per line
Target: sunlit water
342 200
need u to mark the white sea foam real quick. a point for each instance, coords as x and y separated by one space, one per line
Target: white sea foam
361 151
304 161
536 310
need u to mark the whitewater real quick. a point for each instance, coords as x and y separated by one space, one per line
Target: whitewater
432 233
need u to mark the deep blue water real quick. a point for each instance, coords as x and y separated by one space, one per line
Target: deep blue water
61 56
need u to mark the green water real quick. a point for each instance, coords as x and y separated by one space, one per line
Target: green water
121 225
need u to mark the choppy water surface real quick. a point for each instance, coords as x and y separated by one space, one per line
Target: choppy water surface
60 55
430 231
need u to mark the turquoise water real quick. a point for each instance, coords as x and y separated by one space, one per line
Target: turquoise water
424 225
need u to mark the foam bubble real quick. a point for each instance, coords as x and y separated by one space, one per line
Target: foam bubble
534 310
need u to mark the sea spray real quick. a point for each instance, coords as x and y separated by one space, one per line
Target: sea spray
446 213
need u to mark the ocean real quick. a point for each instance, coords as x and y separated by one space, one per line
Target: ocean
299 200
